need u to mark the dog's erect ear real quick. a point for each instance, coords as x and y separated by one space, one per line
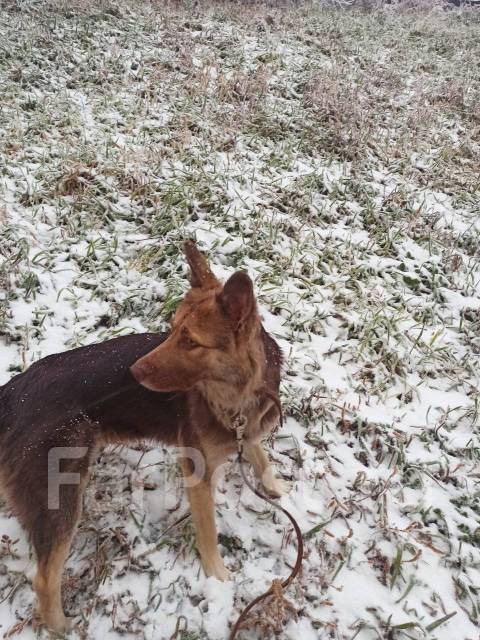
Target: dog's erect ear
200 273
238 300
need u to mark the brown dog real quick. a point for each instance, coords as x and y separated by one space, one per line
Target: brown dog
218 365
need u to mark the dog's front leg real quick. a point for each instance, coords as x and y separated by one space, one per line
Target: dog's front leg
202 506
264 471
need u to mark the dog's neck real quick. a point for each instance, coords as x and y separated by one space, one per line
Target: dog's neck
228 400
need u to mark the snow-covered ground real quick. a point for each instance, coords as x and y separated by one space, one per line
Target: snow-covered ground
336 156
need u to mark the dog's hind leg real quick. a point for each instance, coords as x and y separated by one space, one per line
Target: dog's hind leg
51 535
48 584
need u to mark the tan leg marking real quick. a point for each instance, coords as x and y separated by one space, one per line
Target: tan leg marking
48 579
203 514
264 471
48 587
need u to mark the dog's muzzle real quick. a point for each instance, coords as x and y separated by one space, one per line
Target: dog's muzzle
140 371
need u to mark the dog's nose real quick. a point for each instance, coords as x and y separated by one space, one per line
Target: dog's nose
140 371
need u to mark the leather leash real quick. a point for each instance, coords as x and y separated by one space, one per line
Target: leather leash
239 425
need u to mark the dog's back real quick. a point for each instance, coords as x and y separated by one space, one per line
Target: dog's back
76 399
87 382
62 385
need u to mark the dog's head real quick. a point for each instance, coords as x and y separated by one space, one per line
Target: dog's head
211 332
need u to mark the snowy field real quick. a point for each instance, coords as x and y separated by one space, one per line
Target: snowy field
336 157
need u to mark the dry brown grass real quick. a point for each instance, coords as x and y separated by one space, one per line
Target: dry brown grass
75 181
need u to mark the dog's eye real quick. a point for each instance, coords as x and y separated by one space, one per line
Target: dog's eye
187 341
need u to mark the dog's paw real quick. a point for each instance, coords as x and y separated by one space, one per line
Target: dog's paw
223 574
276 487
67 626
59 624
215 568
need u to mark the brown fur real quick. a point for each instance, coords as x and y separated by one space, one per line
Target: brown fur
217 362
